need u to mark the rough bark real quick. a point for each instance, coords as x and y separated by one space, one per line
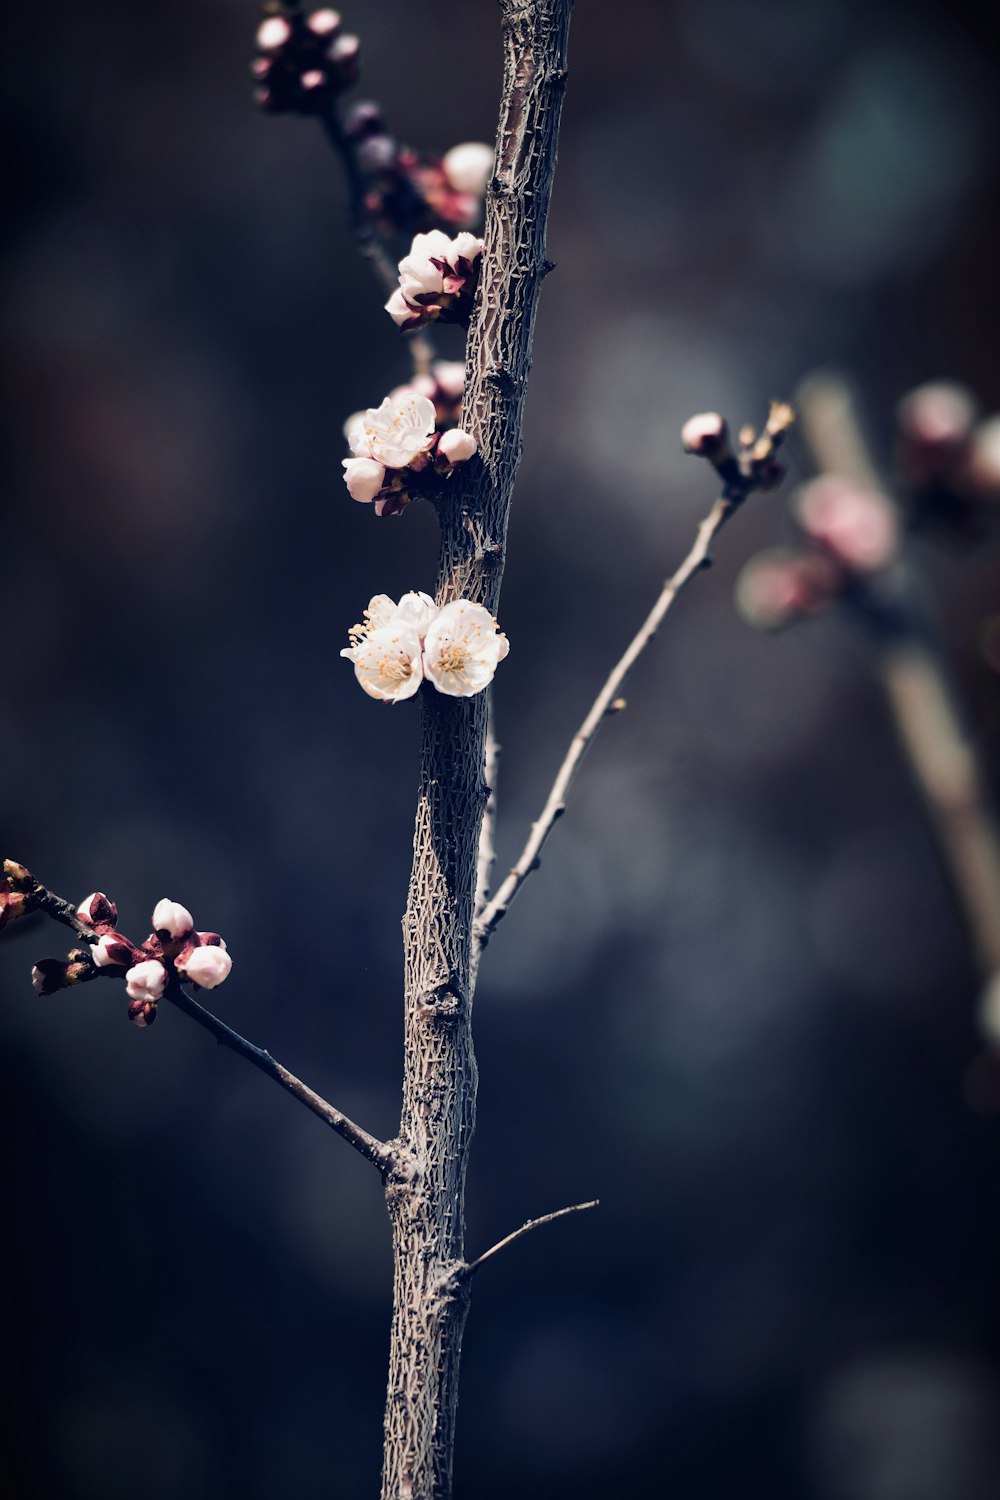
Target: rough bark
426 1193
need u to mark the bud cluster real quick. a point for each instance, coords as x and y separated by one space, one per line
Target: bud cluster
754 466
456 647
437 281
172 948
398 449
16 891
303 60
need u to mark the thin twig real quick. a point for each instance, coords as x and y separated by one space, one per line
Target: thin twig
606 703
378 1152
473 1265
915 678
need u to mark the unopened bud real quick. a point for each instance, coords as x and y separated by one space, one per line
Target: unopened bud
273 33
777 587
858 526
96 910
111 949
364 118
17 876
146 981
468 167
377 153
706 436
142 1012
449 374
323 22
343 53
456 446
206 967
982 470
937 415
52 974
13 904
172 918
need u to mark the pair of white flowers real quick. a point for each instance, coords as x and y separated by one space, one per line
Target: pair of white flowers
398 435
457 647
436 279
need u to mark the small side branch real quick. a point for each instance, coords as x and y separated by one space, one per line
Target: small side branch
473 1265
607 703
379 1153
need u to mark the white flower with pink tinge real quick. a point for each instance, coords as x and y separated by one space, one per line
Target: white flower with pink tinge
462 649
457 648
469 167
206 967
400 434
436 271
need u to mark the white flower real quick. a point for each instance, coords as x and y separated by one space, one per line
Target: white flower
468 167
400 310
396 433
206 967
171 917
386 647
462 648
364 478
419 275
146 981
456 446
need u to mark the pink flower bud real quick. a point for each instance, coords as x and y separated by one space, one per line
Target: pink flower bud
49 975
856 525
146 981
206 967
450 377
778 587
209 940
377 153
343 53
982 473
937 415
468 167
111 949
97 911
456 446
273 33
705 435
364 478
323 22
172 918
400 310
142 1012
312 79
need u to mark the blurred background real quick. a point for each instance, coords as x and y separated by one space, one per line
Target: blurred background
736 1003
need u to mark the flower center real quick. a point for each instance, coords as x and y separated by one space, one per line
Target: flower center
452 658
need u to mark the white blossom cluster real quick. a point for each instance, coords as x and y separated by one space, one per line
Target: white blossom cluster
456 647
436 280
393 442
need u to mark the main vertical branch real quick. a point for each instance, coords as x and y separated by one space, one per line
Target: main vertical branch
426 1200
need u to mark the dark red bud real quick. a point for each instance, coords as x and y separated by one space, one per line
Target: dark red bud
142 1012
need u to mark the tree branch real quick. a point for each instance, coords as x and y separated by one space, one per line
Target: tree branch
487 833
607 703
914 675
379 1153
473 1266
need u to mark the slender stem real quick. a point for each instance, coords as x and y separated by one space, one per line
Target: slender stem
604 705
379 1153
509 1239
914 675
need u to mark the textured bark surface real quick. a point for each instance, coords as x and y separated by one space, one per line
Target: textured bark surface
426 1194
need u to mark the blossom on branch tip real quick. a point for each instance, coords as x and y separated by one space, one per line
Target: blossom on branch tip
706 435
457 647
436 280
